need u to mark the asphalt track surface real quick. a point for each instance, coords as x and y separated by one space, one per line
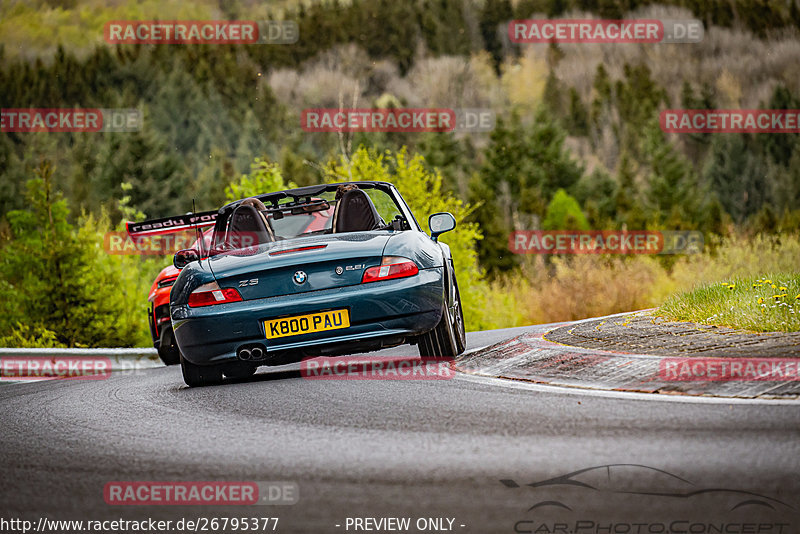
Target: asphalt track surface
407 448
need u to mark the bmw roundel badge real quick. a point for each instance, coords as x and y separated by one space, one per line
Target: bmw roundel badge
300 277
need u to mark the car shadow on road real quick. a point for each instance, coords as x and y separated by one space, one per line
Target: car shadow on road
265 375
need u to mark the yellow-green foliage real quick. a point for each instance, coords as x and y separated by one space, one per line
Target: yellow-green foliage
38 27
23 336
264 177
484 306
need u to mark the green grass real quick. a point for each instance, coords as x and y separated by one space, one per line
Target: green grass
769 303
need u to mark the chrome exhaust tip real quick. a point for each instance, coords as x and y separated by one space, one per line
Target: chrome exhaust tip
257 353
245 354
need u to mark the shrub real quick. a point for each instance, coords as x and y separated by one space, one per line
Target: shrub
264 177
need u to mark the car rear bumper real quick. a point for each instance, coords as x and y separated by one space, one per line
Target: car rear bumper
381 313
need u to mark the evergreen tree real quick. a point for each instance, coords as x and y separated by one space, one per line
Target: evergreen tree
778 147
737 175
61 283
627 198
674 193
140 158
578 118
596 193
493 18
525 165
451 156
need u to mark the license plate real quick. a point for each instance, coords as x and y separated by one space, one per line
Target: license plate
307 324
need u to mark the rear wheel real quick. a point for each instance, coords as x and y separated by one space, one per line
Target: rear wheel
200 375
448 339
458 321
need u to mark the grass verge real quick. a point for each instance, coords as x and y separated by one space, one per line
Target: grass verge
769 303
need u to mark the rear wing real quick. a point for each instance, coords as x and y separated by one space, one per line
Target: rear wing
168 225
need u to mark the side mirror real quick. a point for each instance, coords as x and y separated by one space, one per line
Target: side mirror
185 257
440 223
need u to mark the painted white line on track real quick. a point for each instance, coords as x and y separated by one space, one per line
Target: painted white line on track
623 395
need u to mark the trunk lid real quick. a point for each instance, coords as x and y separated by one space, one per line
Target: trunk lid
328 261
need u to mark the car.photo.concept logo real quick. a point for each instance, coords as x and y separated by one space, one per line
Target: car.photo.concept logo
667 504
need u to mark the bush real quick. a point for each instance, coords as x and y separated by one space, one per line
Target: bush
264 177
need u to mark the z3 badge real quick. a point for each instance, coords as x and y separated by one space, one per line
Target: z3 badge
251 282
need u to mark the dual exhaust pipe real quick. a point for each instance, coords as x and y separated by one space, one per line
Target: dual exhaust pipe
252 352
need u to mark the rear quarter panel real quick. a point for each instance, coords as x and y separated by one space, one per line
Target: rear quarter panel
192 276
416 246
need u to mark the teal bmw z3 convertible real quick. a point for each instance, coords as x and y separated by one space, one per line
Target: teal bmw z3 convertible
315 271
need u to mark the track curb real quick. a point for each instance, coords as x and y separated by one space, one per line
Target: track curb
533 358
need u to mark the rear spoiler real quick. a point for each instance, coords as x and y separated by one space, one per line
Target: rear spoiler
168 225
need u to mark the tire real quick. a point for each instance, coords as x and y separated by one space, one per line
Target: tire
458 321
448 338
200 375
168 349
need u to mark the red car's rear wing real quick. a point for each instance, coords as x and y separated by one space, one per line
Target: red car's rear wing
168 225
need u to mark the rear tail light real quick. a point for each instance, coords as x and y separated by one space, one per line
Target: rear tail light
210 294
390 267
